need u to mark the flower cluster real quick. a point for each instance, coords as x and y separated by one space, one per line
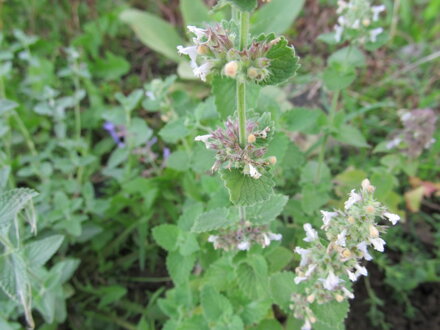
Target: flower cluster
331 265
417 133
214 51
243 237
117 132
229 152
357 20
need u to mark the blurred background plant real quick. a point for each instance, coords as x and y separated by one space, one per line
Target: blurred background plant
94 118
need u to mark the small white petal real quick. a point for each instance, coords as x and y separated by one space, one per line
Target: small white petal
356 24
266 240
341 238
310 270
275 237
352 276
307 325
347 293
253 172
204 139
198 32
244 246
327 216
304 255
212 238
203 70
374 33
353 199
376 11
393 218
361 270
191 51
299 279
378 244
311 234
331 282
363 248
338 33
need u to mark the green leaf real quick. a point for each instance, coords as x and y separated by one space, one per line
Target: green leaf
111 67
276 16
187 244
7 105
39 252
255 311
153 32
166 236
348 56
179 267
282 286
179 161
224 92
194 12
283 62
266 211
117 157
111 294
331 315
351 135
278 257
220 273
215 219
202 159
245 190
244 5
252 277
301 119
313 197
12 202
215 305
278 146
173 131
337 77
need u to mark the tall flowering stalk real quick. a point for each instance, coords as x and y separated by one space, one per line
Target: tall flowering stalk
329 265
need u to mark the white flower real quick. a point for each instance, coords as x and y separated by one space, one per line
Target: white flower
363 248
331 282
307 325
244 246
204 139
311 233
327 216
353 199
367 186
406 116
150 95
393 218
356 24
304 253
429 143
253 172
376 11
361 270
341 238
393 143
198 32
275 237
299 279
374 33
191 51
310 270
341 6
266 240
352 276
212 238
378 243
347 293
338 33
203 70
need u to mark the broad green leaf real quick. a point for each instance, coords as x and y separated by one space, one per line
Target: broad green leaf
166 236
282 286
283 61
139 132
215 305
244 5
268 324
384 183
245 190
276 16
189 216
12 202
351 135
173 131
337 77
348 56
153 32
252 277
278 257
202 159
187 244
331 315
278 146
220 273
179 161
179 267
7 105
118 157
313 197
255 311
266 211
111 67
39 252
215 219
225 95
301 119
194 12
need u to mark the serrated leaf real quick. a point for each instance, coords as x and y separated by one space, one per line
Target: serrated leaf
337 77
283 62
215 219
179 267
245 190
278 258
331 315
7 105
12 202
255 311
166 236
267 211
187 244
351 135
154 32
282 286
244 5
173 131
351 56
215 305
39 252
178 160
220 273
252 277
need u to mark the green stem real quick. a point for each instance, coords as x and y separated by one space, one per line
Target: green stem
327 134
244 29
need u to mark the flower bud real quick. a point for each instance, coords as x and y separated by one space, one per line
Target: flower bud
252 73
351 219
311 298
374 233
370 209
272 160
202 50
339 298
366 22
251 138
312 319
346 253
263 62
366 186
231 69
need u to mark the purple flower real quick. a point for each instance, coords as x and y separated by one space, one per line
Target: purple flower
151 142
111 129
166 153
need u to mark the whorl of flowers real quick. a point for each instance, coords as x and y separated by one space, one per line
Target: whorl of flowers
243 237
358 19
214 52
230 154
332 263
417 132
